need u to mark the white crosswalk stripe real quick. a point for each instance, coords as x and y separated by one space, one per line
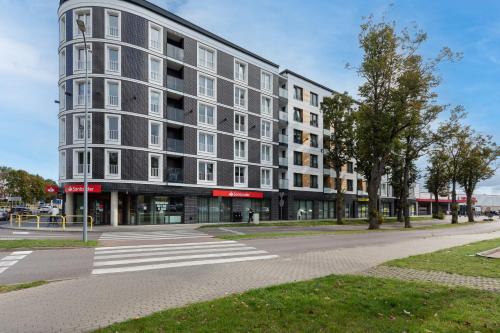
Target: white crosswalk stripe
12 259
153 235
119 259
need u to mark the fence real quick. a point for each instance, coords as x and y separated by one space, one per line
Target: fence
63 220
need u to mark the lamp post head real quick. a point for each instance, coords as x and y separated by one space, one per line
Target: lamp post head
81 25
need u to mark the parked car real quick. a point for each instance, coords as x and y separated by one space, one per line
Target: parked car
44 209
4 216
20 210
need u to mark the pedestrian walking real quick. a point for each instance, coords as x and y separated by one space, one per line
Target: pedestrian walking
250 215
54 211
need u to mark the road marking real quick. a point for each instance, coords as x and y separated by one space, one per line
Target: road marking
160 245
154 235
233 231
20 233
204 250
162 248
11 259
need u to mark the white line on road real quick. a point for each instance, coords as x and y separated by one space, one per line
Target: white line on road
148 254
233 231
20 233
160 245
12 259
162 248
119 238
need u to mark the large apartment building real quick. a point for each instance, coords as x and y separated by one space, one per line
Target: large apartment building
185 126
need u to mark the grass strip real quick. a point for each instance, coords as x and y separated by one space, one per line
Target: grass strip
44 243
13 287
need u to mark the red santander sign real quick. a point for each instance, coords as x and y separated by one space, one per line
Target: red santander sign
51 189
237 194
78 188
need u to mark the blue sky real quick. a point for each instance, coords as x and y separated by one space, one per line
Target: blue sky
315 38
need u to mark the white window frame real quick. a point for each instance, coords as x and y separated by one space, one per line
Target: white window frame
153 26
108 175
245 131
151 80
62 130
270 162
158 178
62 28
262 87
245 73
206 182
76 32
107 139
76 47
210 49
244 107
206 153
214 97
107 13
245 183
75 128
262 184
62 164
240 158
107 66
160 135
75 94
62 96
106 94
62 62
266 137
205 124
75 163
160 107
262 112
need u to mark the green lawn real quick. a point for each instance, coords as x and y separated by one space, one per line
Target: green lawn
287 234
13 287
461 260
333 304
43 243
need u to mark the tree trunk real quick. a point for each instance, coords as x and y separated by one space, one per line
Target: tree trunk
405 194
470 212
339 202
373 197
454 204
400 207
435 212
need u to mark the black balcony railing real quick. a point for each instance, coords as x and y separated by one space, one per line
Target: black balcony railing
175 83
175 114
175 175
175 145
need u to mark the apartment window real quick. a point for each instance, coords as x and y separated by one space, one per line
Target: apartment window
62 28
314 99
62 63
313 161
314 140
62 164
206 171
240 175
266 81
79 163
112 24
297 179
240 97
62 130
266 154
298 93
206 57
350 167
266 106
84 15
297 158
206 114
112 163
155 167
79 127
314 119
62 96
155 134
155 37
313 181
113 59
265 178
155 70
155 102
79 93
79 56
350 185
113 94
206 86
240 149
240 71
298 115
297 136
240 123
206 143
112 128
265 129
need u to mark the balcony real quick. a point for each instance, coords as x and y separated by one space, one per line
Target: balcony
175 83
155 108
283 116
80 65
155 139
113 31
155 172
283 93
155 76
113 169
283 161
113 135
175 52
113 100
283 138
113 66
175 114
174 175
80 169
155 44
283 183
175 145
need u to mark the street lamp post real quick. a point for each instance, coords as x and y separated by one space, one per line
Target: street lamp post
82 28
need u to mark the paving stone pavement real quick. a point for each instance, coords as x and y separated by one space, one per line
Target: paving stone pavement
477 282
84 304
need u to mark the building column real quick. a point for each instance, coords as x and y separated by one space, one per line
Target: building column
69 206
114 209
431 208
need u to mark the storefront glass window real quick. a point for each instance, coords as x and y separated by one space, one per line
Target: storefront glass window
159 209
304 209
362 209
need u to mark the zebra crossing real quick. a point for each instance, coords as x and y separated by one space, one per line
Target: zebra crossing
12 259
120 259
152 235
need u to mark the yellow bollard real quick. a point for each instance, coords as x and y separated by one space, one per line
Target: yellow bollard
63 222
37 221
11 219
18 221
91 222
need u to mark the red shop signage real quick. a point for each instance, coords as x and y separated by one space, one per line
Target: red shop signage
51 188
78 188
237 194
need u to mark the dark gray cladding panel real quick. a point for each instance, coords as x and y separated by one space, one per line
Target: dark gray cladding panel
69 60
98 163
253 126
276 178
134 64
276 132
225 146
134 131
98 58
134 97
190 51
225 119
190 170
190 110
253 176
69 129
276 108
98 93
254 76
276 87
225 92
69 99
253 151
275 155
253 101
135 165
225 65
98 22
69 25
225 172
134 30
69 163
190 140
97 127
190 81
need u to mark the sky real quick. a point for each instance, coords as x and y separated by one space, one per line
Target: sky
314 38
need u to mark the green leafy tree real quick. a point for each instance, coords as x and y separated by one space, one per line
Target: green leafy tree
337 116
437 180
